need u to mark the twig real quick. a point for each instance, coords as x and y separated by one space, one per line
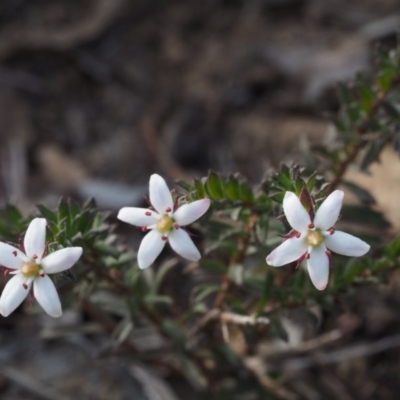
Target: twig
256 367
225 318
355 147
236 259
310 345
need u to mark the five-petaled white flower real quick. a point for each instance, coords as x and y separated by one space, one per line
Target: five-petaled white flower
314 240
32 268
164 223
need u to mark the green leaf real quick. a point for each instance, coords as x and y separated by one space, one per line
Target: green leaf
246 193
187 186
277 329
214 186
307 201
200 292
200 189
153 299
363 195
213 266
232 188
106 250
236 272
373 153
391 110
73 209
161 274
364 216
50 215
63 212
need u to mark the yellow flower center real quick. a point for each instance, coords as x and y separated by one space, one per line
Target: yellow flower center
314 238
30 269
165 224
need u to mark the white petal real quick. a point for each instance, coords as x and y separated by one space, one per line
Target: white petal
328 213
318 267
181 243
61 260
150 248
160 196
346 245
189 213
138 216
35 238
290 250
14 294
46 294
295 213
11 257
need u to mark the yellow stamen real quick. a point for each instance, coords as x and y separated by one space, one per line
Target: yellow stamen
165 224
314 238
30 269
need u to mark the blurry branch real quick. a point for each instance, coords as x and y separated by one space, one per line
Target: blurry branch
236 259
361 350
29 384
103 13
255 366
361 130
311 345
160 152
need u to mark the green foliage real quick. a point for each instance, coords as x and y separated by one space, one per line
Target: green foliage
243 225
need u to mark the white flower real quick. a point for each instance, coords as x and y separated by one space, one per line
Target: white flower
32 269
314 240
164 223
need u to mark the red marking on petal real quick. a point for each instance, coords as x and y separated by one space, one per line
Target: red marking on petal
25 286
329 255
331 231
148 213
292 234
164 238
34 257
15 253
144 228
306 255
168 209
42 274
311 226
176 226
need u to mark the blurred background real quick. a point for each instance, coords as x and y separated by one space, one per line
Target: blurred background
95 95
